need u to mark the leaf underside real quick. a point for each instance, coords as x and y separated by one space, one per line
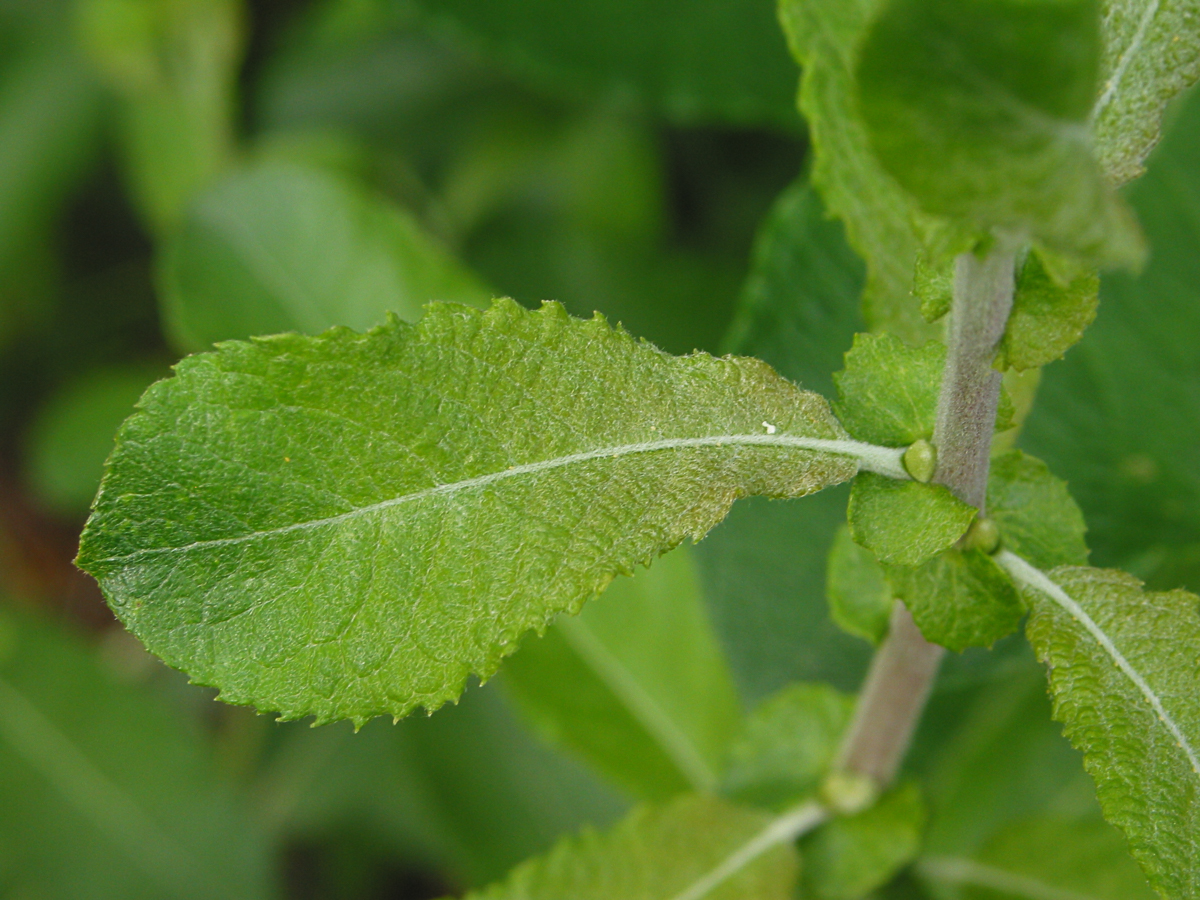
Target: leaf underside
349 525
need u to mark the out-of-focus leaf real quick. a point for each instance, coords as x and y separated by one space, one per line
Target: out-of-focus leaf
764 567
469 791
824 36
350 524
283 247
719 63
1118 418
787 745
635 684
851 856
677 850
173 65
1122 667
49 118
1151 53
980 110
1050 857
73 435
106 791
860 598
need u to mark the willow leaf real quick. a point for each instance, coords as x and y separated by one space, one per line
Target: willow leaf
1123 674
695 848
1151 53
348 525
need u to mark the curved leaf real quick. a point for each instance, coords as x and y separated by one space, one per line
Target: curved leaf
350 524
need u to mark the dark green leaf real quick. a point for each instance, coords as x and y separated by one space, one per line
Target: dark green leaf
1038 519
106 791
664 853
980 110
849 857
348 525
787 745
860 597
722 63
888 392
905 523
1122 666
636 684
960 599
281 247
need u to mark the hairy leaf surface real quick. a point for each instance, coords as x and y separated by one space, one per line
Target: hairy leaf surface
285 247
1151 53
1123 673
905 523
636 683
888 391
348 525
659 853
980 110
787 745
1037 518
1047 318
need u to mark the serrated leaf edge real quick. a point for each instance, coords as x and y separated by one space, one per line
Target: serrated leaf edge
1029 576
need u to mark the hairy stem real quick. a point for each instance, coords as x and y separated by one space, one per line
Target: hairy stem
903 669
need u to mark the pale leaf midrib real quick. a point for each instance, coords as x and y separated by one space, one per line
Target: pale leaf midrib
969 873
1027 574
671 739
1113 85
783 829
884 460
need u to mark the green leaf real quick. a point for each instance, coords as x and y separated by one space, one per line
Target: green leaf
73 434
1151 53
636 684
849 857
348 525
107 791
764 566
681 850
980 110
1049 857
714 64
860 597
1047 318
905 523
1118 417
1122 667
960 599
787 745
1038 520
174 66
878 214
888 392
281 247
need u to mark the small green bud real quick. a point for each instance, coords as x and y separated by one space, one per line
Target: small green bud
983 535
920 460
847 793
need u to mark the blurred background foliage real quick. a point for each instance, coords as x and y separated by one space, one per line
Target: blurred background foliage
179 172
